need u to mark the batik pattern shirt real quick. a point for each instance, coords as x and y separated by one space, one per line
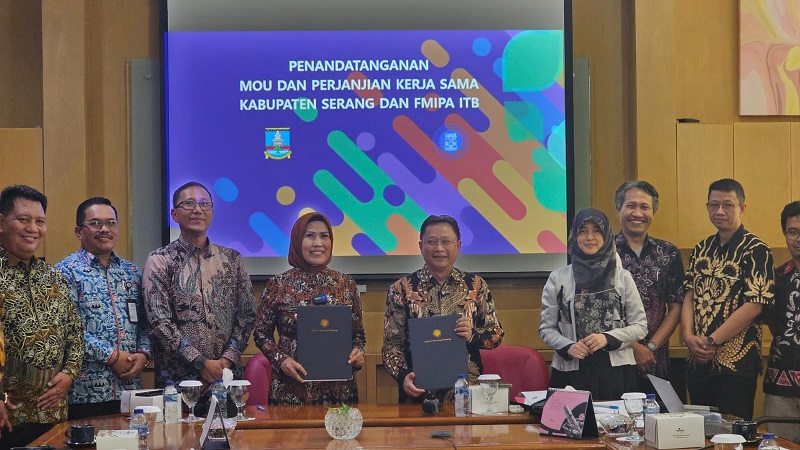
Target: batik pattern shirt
101 295
43 336
419 294
658 272
200 303
277 310
783 366
722 279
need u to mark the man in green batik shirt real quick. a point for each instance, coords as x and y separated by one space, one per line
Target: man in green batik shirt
43 333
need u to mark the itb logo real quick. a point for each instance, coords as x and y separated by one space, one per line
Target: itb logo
450 141
278 143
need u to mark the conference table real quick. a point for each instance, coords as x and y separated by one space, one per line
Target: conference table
385 427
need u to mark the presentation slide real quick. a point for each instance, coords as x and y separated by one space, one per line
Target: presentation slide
377 129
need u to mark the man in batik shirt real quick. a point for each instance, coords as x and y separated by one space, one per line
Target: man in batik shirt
781 381
657 269
199 299
729 280
105 289
438 289
43 333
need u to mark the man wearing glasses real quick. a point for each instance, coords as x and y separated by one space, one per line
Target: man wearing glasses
199 299
106 292
728 281
438 289
781 386
43 333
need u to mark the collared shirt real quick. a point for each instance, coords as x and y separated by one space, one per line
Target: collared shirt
723 278
783 366
419 294
277 310
200 303
102 295
658 273
43 335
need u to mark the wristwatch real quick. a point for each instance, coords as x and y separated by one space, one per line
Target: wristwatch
711 341
200 363
4 397
651 345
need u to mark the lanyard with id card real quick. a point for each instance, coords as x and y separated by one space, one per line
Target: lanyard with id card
131 294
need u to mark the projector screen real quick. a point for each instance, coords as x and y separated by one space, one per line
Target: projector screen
376 114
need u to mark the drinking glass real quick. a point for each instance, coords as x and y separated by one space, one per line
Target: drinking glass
240 391
634 404
489 385
190 391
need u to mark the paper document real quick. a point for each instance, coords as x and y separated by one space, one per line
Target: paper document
533 397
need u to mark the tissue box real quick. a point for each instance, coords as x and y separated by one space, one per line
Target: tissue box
674 430
143 397
477 400
117 440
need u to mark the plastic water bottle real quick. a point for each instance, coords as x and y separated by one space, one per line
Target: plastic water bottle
221 393
172 408
768 443
139 423
461 392
651 406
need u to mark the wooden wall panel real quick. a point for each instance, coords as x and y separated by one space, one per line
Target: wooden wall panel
20 63
21 156
704 154
761 153
600 35
64 99
706 59
655 112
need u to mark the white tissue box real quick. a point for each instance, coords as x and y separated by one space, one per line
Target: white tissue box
117 440
674 430
477 400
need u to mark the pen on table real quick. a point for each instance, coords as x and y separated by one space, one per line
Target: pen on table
261 408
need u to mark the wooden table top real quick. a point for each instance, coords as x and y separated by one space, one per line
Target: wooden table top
498 437
374 416
385 427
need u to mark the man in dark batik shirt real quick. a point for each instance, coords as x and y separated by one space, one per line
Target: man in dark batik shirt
657 269
729 280
781 381
437 289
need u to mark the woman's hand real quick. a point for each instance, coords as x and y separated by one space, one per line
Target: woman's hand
579 350
595 342
293 369
356 358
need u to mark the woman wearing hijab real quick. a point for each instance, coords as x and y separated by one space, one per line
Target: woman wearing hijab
309 255
591 313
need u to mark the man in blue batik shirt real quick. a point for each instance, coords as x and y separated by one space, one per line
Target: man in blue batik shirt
106 291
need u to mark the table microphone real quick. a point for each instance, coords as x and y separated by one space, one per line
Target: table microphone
430 406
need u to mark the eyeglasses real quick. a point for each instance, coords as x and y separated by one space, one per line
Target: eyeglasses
792 234
27 220
433 243
97 224
189 205
727 206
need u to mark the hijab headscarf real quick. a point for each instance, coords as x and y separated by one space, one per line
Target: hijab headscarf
593 273
296 242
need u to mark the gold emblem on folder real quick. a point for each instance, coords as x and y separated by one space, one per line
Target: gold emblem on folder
437 333
324 323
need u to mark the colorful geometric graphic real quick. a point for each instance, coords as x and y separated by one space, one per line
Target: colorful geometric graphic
376 129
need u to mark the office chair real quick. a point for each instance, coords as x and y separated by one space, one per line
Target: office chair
258 372
523 367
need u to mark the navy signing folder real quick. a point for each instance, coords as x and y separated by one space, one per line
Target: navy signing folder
324 342
438 354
